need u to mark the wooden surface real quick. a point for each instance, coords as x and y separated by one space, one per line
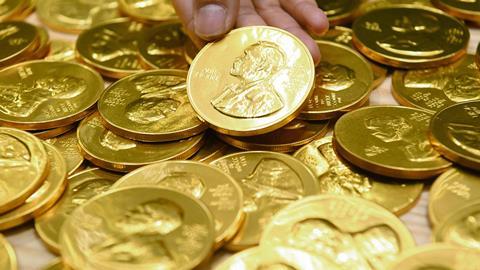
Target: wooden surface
33 255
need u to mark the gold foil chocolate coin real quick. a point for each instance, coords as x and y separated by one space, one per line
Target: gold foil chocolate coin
148 11
8 259
259 83
68 146
339 12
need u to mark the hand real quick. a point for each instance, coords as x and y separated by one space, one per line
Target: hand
207 20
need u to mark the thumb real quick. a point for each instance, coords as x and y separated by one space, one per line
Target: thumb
214 18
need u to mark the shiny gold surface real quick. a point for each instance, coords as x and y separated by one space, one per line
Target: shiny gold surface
350 232
57 264
10 8
260 82
68 147
437 88
464 9
138 228
148 10
43 198
269 181
450 192
410 37
23 158
339 11
81 187
18 40
61 50
212 149
8 259
393 141
191 50
367 6
217 190
455 133
335 176
343 79
107 150
150 106
53 132
44 94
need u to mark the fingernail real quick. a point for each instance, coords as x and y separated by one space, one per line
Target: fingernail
209 20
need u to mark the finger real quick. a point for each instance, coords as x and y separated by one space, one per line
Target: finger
307 13
247 15
214 18
184 9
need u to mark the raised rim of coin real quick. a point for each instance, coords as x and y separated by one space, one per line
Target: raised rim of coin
12 257
139 16
465 14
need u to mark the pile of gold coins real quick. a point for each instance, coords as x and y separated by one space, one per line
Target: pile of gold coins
133 149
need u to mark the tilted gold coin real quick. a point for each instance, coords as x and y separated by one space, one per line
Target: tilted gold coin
67 144
367 6
53 132
274 258
18 40
8 259
74 16
162 46
335 176
461 227
259 83
148 11
451 191
212 149
437 88
269 181
466 10
81 187
409 37
111 48
389 140
216 189
339 12
57 264
150 106
43 198
23 167
42 47
191 50
138 228
61 50
438 256
110 151
10 8
350 232
45 94
286 139
455 133
343 79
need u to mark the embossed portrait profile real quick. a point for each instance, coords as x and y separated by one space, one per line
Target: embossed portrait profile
466 231
371 248
168 43
21 100
185 182
84 192
13 153
465 136
254 96
108 45
113 142
334 77
270 184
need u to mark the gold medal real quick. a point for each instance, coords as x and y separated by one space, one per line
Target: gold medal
110 151
338 177
56 264
138 228
19 39
455 133
61 50
343 80
43 198
81 187
451 191
437 88
465 10
216 189
269 181
260 82
212 149
150 106
410 37
393 141
148 11
286 139
339 12
44 94
68 147
349 232
8 259
53 132
23 167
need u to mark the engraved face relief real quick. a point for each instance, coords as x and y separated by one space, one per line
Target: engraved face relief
465 136
276 266
334 77
169 45
185 182
372 248
113 142
109 44
13 153
22 99
254 96
84 192
466 231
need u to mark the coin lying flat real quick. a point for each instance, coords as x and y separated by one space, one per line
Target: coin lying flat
216 189
110 151
211 149
339 12
68 147
148 11
349 232
53 132
43 198
19 40
437 256
111 48
138 228
81 187
44 94
23 167
410 37
335 176
269 181
260 82
450 192
455 133
437 88
394 141
466 10
61 50
150 106
8 259
343 80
